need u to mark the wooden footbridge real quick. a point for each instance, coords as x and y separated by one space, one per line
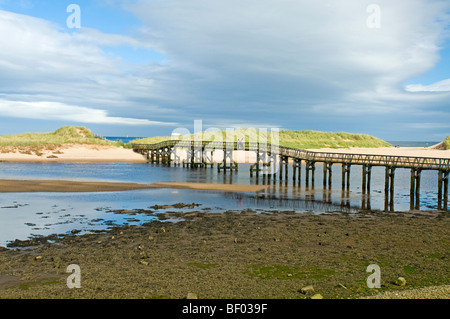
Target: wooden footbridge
273 160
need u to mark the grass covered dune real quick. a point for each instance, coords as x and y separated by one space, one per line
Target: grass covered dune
64 135
69 144
447 143
295 139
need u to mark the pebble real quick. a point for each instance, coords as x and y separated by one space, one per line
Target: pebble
307 290
400 282
435 292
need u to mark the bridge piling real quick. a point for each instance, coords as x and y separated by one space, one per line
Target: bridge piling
166 153
443 177
310 168
415 188
284 162
297 170
346 176
366 178
389 188
327 174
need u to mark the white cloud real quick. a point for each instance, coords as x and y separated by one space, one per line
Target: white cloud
286 53
279 62
50 70
441 86
69 113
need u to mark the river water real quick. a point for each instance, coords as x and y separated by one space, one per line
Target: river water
23 215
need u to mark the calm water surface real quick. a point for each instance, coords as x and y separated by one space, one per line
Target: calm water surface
37 214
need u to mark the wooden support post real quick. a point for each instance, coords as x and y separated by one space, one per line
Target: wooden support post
414 192
167 152
284 160
440 189
307 175
294 171
296 175
227 155
310 167
346 176
443 190
258 159
281 167
412 189
389 188
366 177
286 168
417 195
327 174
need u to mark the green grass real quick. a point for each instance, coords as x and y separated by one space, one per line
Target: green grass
295 139
447 143
64 135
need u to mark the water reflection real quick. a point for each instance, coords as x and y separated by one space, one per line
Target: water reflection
22 215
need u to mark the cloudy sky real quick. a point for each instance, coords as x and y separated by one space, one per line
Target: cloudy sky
147 67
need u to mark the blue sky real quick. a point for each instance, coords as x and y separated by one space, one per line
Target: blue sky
148 67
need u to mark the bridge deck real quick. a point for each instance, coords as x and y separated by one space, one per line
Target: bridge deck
423 163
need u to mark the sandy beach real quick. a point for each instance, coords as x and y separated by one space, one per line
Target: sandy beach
100 153
70 153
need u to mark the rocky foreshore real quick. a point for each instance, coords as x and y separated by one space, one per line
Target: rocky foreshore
239 255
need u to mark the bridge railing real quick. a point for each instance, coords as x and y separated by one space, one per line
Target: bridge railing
316 156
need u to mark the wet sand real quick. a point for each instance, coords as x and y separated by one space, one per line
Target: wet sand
64 186
237 255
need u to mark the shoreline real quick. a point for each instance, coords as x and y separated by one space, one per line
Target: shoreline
77 153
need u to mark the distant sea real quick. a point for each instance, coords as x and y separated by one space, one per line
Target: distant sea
412 143
394 143
126 140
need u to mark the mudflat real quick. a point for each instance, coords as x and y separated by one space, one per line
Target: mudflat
243 254
63 186
67 186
